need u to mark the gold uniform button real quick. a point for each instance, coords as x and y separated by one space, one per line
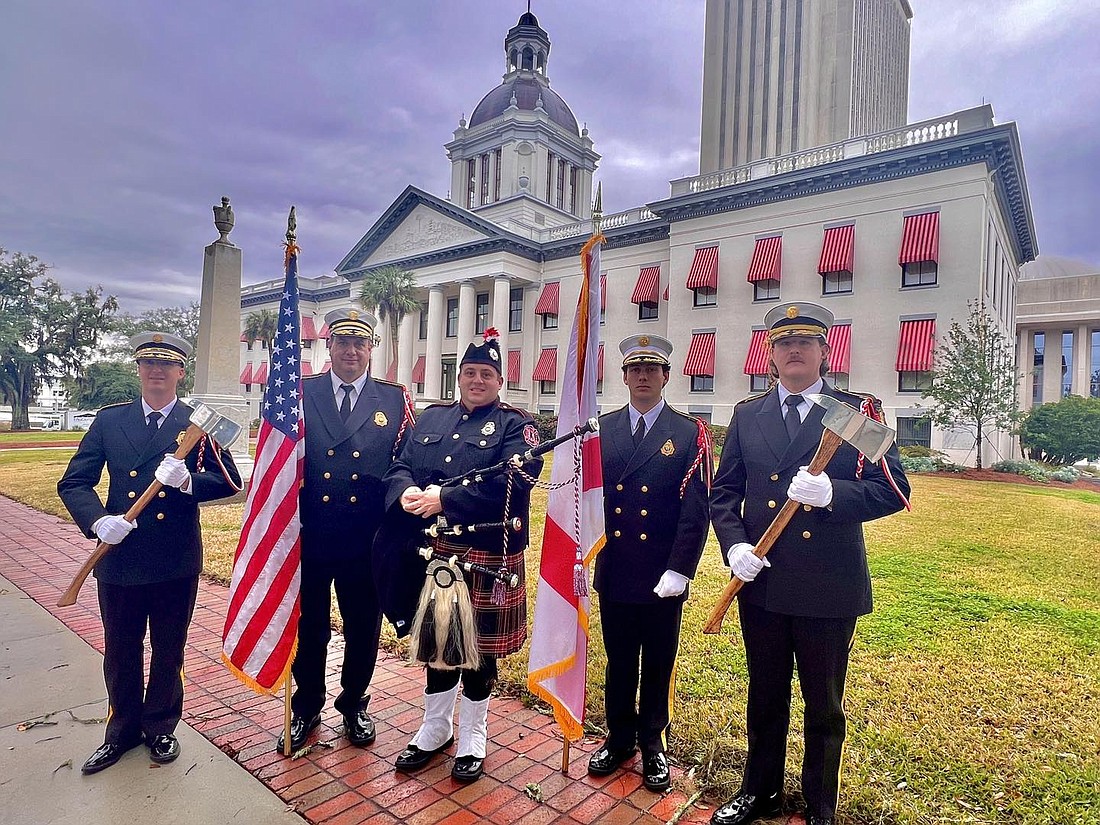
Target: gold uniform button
161 494
448 459
328 475
355 476
324 498
618 510
807 507
645 489
617 534
645 512
619 487
806 534
132 494
332 452
771 504
160 516
642 536
355 454
352 499
133 474
775 477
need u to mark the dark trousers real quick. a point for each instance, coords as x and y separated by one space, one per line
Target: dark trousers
641 641
164 608
477 684
774 645
362 618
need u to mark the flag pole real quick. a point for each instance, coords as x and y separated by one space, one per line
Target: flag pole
286 715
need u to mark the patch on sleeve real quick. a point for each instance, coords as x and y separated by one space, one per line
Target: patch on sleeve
531 435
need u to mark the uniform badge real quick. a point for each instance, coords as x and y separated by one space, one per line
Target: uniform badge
158 338
353 314
489 428
531 435
380 419
792 312
493 354
179 438
643 341
667 448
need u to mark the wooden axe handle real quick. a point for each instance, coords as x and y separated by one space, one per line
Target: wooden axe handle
192 436
830 442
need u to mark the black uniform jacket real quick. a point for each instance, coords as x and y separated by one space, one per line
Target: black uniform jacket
448 441
167 543
649 528
342 494
819 562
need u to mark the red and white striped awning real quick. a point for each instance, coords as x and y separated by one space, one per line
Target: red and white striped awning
840 347
838 249
920 240
309 329
307 369
323 334
666 292
246 374
418 370
700 355
547 367
391 373
260 375
244 338
603 292
548 300
647 288
514 361
599 365
704 269
916 345
767 259
326 367
756 362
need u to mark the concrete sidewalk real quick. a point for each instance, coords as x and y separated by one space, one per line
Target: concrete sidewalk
229 770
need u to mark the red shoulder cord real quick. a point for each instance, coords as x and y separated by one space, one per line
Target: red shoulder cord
870 409
704 458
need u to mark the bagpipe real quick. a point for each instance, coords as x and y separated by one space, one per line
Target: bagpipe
444 628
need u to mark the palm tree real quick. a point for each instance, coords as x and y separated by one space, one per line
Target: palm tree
261 326
393 291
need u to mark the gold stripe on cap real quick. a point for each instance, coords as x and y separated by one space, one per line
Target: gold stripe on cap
159 352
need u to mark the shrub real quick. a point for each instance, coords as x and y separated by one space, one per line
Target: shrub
718 433
1063 432
548 426
1027 469
1067 475
918 464
918 451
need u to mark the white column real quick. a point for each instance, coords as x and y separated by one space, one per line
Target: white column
434 356
1052 365
1024 368
1082 350
407 358
467 304
502 295
380 356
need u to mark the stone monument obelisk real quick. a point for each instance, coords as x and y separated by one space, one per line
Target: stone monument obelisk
218 359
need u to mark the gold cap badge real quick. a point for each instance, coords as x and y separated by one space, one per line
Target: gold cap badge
792 312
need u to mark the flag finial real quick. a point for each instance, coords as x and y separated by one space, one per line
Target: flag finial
597 209
291 227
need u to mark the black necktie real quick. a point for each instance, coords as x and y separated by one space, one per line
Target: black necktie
639 433
152 424
791 420
345 405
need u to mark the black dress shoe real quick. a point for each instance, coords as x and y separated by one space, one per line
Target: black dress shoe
820 820
745 808
104 756
300 729
413 758
359 729
467 769
164 748
606 761
655 773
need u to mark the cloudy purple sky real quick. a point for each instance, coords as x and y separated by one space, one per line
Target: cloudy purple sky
122 122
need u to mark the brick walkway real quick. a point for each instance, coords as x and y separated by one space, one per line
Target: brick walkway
339 785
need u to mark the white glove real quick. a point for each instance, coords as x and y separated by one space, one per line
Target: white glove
817 491
112 529
172 472
744 563
671 584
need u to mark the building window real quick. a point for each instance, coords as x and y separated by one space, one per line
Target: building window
1094 370
1037 369
452 317
419 387
914 432
447 384
248 345
573 189
550 321
704 415
599 386
921 273
914 381
704 296
839 380
1067 362
758 383
307 344
484 179
647 311
247 389
836 283
481 314
559 199
549 177
515 309
471 182
423 332
702 383
547 387
496 175
765 290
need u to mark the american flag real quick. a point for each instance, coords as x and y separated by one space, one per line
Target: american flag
261 625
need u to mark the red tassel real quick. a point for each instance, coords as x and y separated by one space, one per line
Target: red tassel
497 597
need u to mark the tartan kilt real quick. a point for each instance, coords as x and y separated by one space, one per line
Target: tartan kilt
501 629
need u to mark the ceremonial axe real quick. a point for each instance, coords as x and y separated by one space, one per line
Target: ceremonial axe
204 421
842 422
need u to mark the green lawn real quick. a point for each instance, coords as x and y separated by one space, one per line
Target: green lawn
974 688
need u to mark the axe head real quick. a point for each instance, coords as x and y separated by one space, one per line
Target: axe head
221 429
865 434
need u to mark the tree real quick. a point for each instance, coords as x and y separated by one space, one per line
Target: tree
104 383
45 333
1063 432
261 326
182 321
393 291
974 381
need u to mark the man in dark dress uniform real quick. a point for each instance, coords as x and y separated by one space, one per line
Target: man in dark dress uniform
150 578
354 426
475 432
799 606
656 471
